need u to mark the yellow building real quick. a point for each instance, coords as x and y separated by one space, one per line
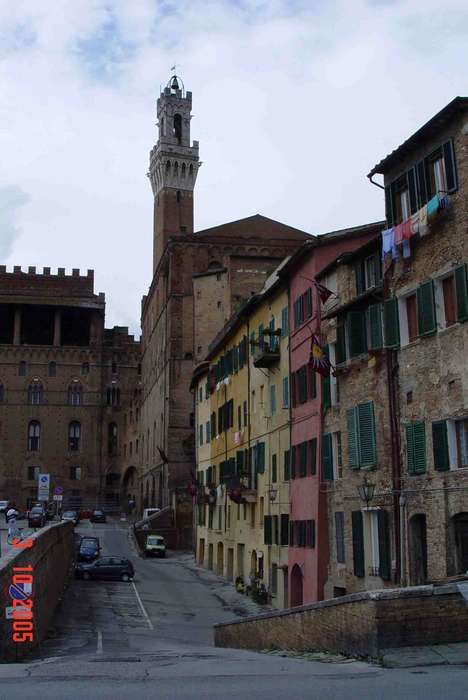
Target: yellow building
243 497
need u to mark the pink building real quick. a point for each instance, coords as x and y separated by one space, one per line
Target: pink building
308 536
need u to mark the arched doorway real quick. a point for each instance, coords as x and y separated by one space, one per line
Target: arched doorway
253 564
418 549
220 559
127 486
460 541
296 586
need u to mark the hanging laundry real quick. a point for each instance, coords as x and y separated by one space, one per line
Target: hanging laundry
422 225
444 202
406 230
433 206
388 243
399 234
415 223
406 249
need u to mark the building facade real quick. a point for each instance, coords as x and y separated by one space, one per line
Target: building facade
64 379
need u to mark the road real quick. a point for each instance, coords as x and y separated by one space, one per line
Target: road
154 639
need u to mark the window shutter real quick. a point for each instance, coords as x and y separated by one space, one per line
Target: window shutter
285 392
416 447
284 322
274 469
303 459
358 543
353 438
308 303
275 532
313 456
293 389
340 344
367 450
356 333
421 183
293 461
391 323
412 190
260 458
302 377
360 277
461 289
388 206
426 308
339 537
375 326
284 530
327 457
326 384
385 563
440 446
311 382
240 462
267 529
286 465
291 533
450 168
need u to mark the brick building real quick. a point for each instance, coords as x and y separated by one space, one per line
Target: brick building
64 379
199 279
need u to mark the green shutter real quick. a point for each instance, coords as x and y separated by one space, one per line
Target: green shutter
260 458
358 543
375 326
440 446
356 322
353 438
391 323
267 529
327 457
302 376
303 459
461 290
240 462
385 560
367 451
340 344
293 461
313 456
326 384
416 447
287 455
426 309
274 469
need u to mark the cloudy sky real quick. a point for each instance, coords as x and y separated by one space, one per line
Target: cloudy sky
293 102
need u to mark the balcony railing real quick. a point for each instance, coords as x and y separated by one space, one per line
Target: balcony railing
266 354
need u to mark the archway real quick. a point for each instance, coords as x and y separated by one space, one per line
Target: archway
220 559
418 549
127 486
460 541
296 586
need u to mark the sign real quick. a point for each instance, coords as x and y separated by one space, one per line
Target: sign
43 486
58 497
20 591
58 490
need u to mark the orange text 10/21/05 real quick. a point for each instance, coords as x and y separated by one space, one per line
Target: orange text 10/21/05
23 608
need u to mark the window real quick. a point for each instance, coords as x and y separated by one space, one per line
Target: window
284 322
34 435
286 470
361 436
371 543
368 272
74 435
357 333
113 396
52 369
112 440
33 473
274 469
284 530
448 292
200 435
200 394
273 399
311 382
208 431
239 417
254 402
75 394
327 457
339 537
75 473
301 375
299 312
285 392
436 170
22 368
411 314
312 459
35 393
416 447
462 442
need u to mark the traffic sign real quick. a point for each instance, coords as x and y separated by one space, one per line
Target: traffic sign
58 490
43 486
58 497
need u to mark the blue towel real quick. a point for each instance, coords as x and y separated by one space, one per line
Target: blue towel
388 243
433 205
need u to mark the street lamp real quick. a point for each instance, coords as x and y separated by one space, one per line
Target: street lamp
366 491
272 494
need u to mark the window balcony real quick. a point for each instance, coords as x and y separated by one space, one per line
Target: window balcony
266 354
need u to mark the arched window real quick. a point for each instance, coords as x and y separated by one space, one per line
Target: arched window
112 436
75 394
178 127
163 132
113 396
34 436
2 393
176 169
168 166
191 170
52 369
35 393
178 196
22 368
74 436
184 167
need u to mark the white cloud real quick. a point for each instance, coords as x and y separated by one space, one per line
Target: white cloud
12 199
293 103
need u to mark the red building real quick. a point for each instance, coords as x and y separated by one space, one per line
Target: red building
308 544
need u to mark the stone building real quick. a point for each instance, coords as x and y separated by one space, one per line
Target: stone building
64 379
199 279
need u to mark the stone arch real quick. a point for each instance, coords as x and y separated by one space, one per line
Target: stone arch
191 170
168 166
296 586
176 169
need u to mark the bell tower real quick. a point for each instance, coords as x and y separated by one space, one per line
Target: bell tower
173 167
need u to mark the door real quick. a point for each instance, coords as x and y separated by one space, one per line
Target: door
201 552
418 550
460 525
296 586
210 556
285 588
230 564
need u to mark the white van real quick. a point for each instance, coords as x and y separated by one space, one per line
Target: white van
148 512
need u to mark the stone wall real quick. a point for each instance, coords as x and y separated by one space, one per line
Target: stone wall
51 557
361 624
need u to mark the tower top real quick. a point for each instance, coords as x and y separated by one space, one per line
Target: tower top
176 85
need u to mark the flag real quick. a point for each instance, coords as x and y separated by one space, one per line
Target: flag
318 359
322 291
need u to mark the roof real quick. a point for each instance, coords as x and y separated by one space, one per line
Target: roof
435 124
368 294
199 371
348 256
256 226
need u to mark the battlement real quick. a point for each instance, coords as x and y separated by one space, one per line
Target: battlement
30 281
46 272
118 336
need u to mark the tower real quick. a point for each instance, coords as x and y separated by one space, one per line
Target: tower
173 168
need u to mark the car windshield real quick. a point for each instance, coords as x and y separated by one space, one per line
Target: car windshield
36 511
98 512
69 514
89 541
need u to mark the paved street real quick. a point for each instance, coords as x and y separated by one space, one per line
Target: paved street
115 640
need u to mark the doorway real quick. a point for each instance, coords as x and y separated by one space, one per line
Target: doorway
418 549
285 587
201 552
230 564
296 586
460 531
220 559
210 556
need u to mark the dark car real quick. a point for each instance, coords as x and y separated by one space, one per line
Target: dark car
97 516
89 549
108 568
36 517
71 515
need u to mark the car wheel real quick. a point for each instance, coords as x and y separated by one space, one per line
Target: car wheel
86 575
125 577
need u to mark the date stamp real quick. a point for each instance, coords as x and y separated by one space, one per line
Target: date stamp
21 592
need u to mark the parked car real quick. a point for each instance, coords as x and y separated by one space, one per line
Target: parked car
89 549
3 506
71 515
148 512
155 546
108 568
97 516
36 517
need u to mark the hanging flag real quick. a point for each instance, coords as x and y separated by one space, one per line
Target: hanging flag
318 359
323 292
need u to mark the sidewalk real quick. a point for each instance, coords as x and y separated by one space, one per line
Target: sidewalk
436 655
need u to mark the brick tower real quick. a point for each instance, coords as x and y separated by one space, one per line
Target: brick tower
173 169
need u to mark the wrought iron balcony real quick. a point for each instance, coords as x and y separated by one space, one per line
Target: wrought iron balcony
266 354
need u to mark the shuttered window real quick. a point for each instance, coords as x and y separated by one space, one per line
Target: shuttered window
303 459
353 438
327 457
284 535
461 291
302 384
356 322
260 457
284 322
375 326
293 461
274 469
285 392
293 385
385 559
299 312
267 538
240 462
440 446
340 343
339 537
313 456
326 384
426 309
310 533
391 323
274 529
450 167
416 447
358 543
361 436
308 303
286 465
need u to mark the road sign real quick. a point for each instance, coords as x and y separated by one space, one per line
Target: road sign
43 486
58 490
58 497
